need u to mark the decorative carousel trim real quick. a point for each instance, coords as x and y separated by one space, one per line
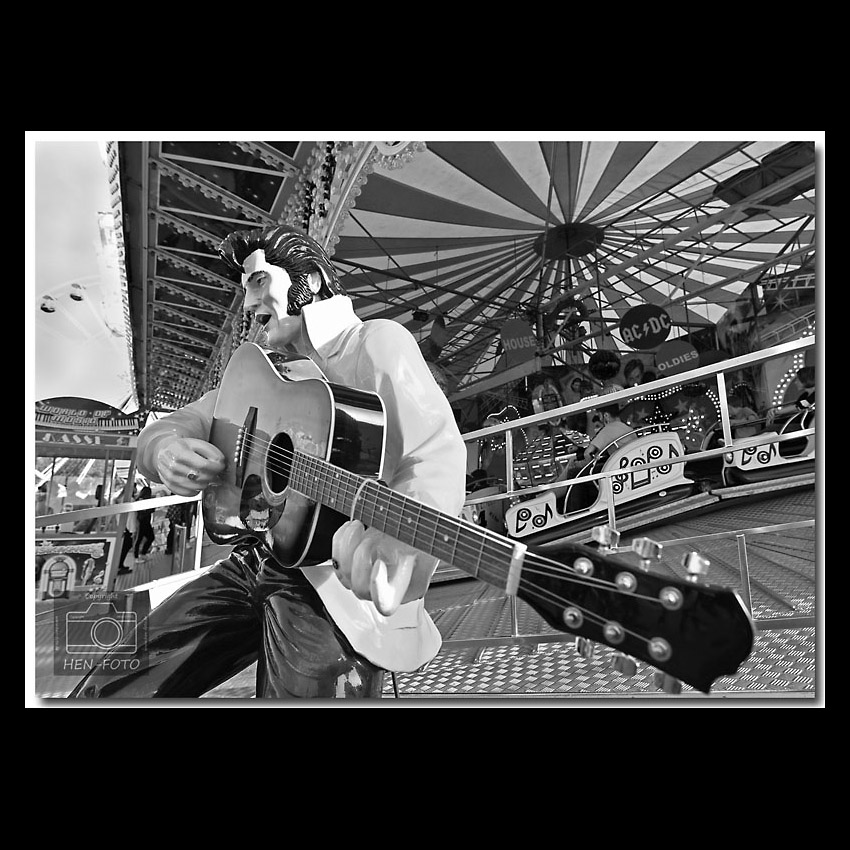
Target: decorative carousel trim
113 163
209 190
172 362
392 155
158 342
195 270
200 324
187 229
328 185
167 328
190 296
239 331
307 206
269 156
354 165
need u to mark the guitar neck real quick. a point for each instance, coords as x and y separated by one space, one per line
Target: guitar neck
476 551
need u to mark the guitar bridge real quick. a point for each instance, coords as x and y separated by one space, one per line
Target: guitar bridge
242 447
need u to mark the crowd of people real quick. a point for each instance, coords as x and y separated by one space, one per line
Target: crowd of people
610 426
139 535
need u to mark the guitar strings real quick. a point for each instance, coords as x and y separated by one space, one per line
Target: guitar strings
503 546
544 594
395 509
555 569
350 489
531 587
290 459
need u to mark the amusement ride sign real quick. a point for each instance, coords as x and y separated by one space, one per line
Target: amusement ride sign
645 326
675 357
83 414
518 342
80 426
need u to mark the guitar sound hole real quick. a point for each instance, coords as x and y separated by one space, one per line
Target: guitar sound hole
254 511
279 462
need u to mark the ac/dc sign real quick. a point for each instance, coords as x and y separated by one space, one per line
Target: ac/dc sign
645 326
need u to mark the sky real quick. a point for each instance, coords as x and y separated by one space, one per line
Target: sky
81 348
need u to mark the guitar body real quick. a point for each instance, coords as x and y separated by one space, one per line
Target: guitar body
269 407
304 455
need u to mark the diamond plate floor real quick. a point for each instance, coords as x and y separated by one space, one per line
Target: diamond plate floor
783 665
782 584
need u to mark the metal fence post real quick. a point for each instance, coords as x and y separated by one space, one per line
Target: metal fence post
745 570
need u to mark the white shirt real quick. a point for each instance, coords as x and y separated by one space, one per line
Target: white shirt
424 459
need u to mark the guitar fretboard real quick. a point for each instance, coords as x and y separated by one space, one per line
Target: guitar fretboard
474 550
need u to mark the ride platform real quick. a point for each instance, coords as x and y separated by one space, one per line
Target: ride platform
496 647
482 659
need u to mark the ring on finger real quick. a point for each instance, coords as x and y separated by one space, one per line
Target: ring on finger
192 476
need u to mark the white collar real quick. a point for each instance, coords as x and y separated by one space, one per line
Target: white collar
326 320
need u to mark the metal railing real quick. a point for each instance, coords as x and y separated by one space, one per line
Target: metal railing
792 328
716 371
740 537
124 508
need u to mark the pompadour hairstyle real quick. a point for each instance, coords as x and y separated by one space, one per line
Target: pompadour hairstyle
290 249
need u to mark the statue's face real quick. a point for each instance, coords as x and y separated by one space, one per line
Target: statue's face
267 293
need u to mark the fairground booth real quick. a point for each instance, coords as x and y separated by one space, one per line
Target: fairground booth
85 458
85 466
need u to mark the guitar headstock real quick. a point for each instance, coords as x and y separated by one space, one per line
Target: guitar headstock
687 629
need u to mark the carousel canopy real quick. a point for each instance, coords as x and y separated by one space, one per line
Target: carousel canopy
455 239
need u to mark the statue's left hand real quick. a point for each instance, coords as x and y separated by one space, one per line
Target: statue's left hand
375 566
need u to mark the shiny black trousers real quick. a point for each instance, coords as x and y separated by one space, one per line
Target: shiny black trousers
244 609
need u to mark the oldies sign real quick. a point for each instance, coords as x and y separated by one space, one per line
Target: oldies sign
675 357
645 326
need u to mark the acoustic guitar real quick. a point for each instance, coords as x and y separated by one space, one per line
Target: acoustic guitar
304 456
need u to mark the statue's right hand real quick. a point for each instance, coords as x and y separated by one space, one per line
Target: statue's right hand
186 465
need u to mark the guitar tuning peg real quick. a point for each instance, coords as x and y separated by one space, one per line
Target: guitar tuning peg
665 682
605 536
647 550
624 664
585 647
695 565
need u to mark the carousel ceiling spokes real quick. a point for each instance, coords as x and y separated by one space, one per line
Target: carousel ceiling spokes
452 239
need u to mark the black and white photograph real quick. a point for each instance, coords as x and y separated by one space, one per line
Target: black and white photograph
505 419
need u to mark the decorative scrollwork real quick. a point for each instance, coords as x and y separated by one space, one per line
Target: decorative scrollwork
331 180
765 455
396 154
187 229
195 270
654 453
118 229
228 201
269 157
